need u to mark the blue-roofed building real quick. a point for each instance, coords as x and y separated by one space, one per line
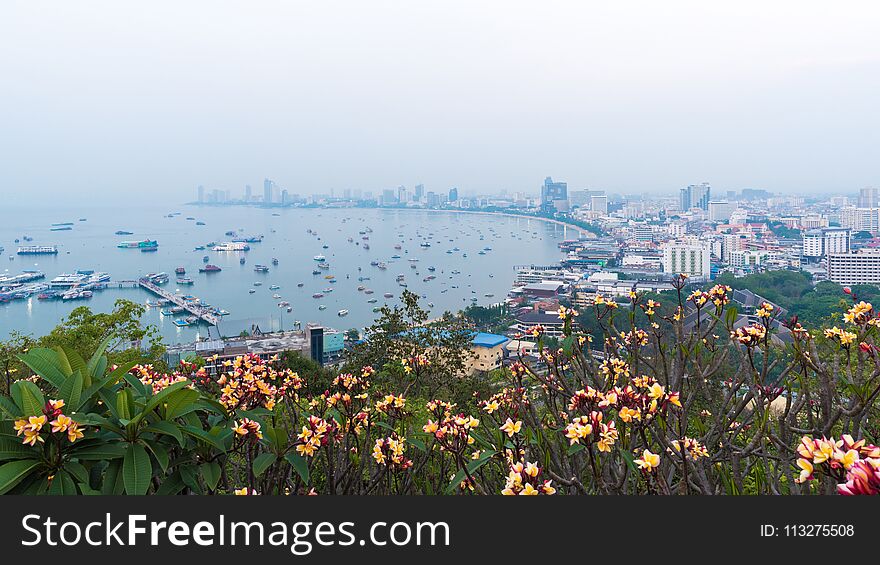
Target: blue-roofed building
487 352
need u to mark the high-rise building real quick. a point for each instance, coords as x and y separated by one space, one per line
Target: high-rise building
861 267
868 197
201 193
453 194
695 196
388 197
720 210
692 259
285 198
599 203
554 196
419 192
432 200
820 242
248 193
268 191
860 219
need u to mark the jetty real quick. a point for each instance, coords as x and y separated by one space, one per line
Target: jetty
205 314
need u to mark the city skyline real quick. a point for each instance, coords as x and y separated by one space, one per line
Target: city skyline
133 104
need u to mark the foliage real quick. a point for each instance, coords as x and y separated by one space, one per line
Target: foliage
647 409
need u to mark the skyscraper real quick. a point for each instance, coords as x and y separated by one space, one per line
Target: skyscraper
201 193
868 197
554 195
695 196
453 194
268 186
248 193
420 192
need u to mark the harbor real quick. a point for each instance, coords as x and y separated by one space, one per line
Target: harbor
203 313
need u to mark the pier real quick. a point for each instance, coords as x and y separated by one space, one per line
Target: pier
204 314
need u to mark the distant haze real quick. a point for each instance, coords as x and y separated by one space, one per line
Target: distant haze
138 101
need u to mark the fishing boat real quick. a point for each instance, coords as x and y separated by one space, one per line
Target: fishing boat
289 309
274 287
179 271
258 283
324 266
200 223
205 259
145 244
398 246
61 228
210 269
368 291
231 233
376 309
432 269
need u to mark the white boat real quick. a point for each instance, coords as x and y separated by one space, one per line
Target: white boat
342 313
319 258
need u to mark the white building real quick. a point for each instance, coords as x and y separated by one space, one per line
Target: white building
819 243
720 210
692 259
862 267
860 219
599 203
748 260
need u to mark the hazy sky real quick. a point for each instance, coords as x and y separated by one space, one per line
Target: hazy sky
151 99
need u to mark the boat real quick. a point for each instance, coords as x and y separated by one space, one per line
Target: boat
205 259
361 287
231 233
210 269
190 218
318 295
200 223
388 295
432 269
324 266
316 272
232 246
261 268
300 285
145 244
185 280
274 261
322 307
180 323
37 250
382 266
283 304
342 312
76 294
274 287
61 228
276 296
398 246
179 271
258 283
425 244
368 291
376 308
289 309
248 239
149 249
319 258
60 224
395 256
252 290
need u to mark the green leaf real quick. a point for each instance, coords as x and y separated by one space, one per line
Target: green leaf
628 457
471 467
418 444
211 474
124 403
300 465
75 360
166 428
101 452
9 407
161 455
28 397
136 470
13 472
189 474
63 361
204 436
11 449
93 369
45 363
77 471
71 390
180 403
107 380
63 484
113 479
158 399
575 448
263 462
172 484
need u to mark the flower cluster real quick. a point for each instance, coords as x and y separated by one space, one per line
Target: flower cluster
452 433
314 434
650 307
31 427
751 335
413 363
844 337
247 428
859 461
525 480
606 302
693 448
154 379
389 451
720 295
567 313
765 311
392 405
251 382
592 429
859 314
